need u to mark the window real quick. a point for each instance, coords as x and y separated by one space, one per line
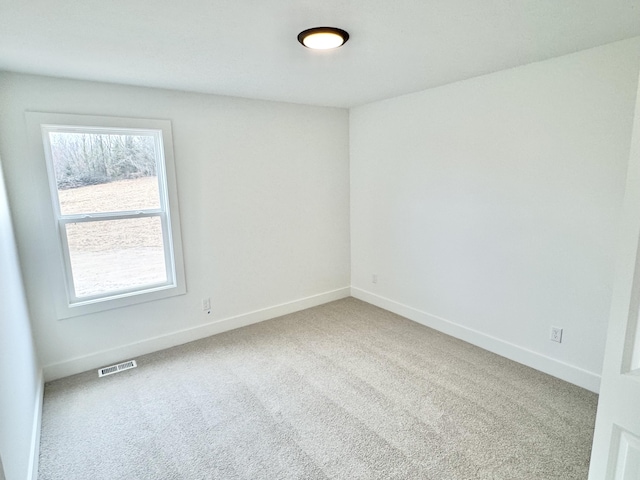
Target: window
114 205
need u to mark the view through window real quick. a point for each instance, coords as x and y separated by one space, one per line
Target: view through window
110 197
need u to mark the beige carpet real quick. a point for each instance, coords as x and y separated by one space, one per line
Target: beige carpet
340 391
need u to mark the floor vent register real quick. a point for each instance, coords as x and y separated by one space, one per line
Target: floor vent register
103 372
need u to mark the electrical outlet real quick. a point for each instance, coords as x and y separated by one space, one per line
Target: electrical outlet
374 278
206 304
556 334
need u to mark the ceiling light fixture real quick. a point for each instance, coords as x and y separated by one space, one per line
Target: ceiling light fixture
323 38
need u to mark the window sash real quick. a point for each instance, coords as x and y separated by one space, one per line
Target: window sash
63 220
169 260
158 149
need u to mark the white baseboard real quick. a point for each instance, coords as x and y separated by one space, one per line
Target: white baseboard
107 357
34 455
556 368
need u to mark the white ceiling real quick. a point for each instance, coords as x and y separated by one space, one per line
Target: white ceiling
248 48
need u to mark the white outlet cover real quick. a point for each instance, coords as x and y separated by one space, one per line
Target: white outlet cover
206 304
556 334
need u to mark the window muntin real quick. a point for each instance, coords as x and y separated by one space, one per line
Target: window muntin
110 198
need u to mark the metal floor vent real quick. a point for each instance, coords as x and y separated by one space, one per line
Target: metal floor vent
117 368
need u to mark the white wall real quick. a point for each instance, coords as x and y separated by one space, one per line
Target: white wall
20 375
264 195
488 208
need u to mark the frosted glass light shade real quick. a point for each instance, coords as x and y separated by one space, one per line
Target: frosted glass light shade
323 38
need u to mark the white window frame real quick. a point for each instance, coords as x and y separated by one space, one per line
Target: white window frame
68 304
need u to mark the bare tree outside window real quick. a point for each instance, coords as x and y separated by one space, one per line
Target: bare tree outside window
82 159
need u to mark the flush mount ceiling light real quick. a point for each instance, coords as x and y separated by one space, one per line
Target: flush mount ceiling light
323 38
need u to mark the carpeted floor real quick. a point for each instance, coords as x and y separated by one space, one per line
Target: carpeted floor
341 391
